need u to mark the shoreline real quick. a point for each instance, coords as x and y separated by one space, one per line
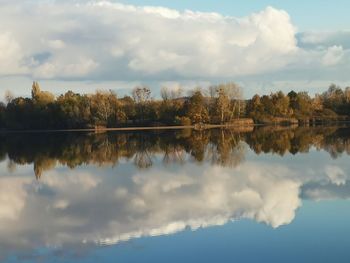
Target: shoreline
141 128
176 127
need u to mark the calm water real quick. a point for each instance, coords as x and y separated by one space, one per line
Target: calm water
268 195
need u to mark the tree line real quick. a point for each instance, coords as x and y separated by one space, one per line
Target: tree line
219 104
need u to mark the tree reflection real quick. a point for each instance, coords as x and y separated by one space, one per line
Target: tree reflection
224 147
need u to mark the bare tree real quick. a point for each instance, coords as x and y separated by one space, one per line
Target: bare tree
170 93
165 93
141 96
8 96
213 91
235 94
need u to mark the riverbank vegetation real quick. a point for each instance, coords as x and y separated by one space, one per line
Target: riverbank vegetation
221 104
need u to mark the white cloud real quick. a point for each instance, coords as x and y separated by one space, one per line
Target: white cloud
110 40
104 41
336 175
63 69
333 56
56 44
10 55
325 39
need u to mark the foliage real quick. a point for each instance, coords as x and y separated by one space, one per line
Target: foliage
222 105
196 109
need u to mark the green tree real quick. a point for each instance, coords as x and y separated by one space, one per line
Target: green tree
74 110
280 104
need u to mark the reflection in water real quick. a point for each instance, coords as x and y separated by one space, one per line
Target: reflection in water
128 185
220 147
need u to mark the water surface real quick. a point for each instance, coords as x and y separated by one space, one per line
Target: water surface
272 194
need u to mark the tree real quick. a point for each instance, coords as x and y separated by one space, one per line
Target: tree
74 110
304 103
41 97
35 90
347 94
267 105
293 100
317 103
105 108
235 94
222 105
141 96
196 109
127 109
165 93
334 98
255 108
280 104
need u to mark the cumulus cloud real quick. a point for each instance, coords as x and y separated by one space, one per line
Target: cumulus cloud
112 41
58 69
100 42
324 39
333 56
10 55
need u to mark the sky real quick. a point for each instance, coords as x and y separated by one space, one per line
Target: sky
307 15
264 46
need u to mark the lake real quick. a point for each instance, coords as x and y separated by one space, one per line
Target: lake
263 194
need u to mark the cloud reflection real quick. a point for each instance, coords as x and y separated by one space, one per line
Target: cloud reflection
109 204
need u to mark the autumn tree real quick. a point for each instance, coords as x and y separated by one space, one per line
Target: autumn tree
128 109
41 97
300 103
334 98
105 108
280 104
170 105
255 108
75 110
235 94
196 108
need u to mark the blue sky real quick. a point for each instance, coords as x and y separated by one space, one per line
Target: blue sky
307 15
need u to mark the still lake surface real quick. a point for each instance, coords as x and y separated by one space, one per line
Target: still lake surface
272 194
